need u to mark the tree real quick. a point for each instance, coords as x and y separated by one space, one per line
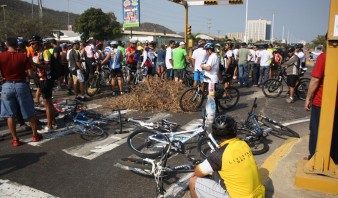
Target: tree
320 40
97 24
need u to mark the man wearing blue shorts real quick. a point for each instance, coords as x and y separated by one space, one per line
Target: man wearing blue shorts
199 56
15 92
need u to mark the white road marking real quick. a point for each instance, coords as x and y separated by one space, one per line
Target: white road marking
93 150
256 94
15 190
296 122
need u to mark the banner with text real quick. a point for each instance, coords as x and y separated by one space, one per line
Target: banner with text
131 13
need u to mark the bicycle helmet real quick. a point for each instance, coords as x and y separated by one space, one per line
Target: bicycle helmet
291 49
224 127
113 44
299 45
36 38
209 46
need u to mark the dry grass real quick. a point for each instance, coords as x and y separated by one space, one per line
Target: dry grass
157 96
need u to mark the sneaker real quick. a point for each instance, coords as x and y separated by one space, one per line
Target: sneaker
24 127
37 138
45 130
290 100
234 77
16 143
39 123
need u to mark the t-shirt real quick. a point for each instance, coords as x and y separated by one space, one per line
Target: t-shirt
265 56
30 51
237 169
74 56
228 54
318 72
253 55
115 59
179 55
161 56
130 59
292 65
200 56
13 65
301 56
89 51
243 54
168 56
212 61
123 51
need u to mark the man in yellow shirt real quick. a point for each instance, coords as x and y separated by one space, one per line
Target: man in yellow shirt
233 163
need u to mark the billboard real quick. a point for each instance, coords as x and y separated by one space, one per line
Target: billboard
131 13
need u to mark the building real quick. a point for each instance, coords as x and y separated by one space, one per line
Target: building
259 30
236 35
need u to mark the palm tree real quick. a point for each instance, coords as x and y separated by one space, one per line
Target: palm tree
194 37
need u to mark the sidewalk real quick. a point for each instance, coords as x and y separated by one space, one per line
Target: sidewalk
279 170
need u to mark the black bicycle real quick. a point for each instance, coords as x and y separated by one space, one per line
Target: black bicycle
273 88
192 99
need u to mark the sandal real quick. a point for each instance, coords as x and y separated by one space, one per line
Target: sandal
16 143
37 138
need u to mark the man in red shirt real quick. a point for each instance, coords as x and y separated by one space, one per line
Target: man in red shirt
15 91
315 92
130 52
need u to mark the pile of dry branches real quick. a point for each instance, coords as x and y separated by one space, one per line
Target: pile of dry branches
157 95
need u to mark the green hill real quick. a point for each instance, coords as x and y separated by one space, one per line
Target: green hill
21 22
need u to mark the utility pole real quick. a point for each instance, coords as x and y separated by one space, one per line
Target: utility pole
40 9
209 25
283 33
68 13
272 25
246 22
32 10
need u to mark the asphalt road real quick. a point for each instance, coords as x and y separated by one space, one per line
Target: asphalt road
68 165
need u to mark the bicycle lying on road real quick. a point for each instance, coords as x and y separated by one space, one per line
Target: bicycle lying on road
159 168
149 143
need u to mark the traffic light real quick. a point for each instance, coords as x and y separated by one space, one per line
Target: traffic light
188 30
235 1
211 2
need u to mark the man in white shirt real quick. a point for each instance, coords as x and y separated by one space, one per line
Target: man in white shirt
169 59
301 55
211 67
198 57
264 58
228 63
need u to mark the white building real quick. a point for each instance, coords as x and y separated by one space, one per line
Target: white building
259 30
236 35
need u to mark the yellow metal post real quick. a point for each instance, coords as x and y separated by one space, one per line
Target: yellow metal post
185 4
320 173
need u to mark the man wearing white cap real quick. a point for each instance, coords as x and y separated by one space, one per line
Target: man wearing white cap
179 58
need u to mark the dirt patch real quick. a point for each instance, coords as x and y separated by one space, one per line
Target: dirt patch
157 95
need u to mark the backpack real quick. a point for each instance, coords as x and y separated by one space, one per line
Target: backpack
137 55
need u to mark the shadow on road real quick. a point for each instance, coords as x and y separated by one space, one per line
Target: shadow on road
14 162
267 182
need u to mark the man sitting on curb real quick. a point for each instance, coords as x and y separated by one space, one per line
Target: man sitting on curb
233 163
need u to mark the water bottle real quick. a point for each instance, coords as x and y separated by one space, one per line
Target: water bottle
210 108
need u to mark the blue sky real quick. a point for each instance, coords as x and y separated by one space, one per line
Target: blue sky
303 19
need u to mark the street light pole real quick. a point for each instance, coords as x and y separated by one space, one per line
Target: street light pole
3 8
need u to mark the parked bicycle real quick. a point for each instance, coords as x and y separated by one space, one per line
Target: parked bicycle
159 168
273 88
100 79
192 99
149 143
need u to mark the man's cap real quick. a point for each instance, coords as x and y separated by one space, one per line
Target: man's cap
132 41
113 43
182 43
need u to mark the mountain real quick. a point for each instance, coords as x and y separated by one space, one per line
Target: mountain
22 20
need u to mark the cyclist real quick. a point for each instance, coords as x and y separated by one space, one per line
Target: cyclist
180 57
292 70
131 63
169 59
199 56
234 165
160 61
211 67
115 58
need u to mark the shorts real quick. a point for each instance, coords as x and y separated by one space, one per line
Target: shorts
15 95
179 73
59 70
116 72
78 77
160 64
199 76
209 188
291 80
46 89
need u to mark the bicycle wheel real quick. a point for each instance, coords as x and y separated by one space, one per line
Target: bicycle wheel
229 98
302 88
92 87
256 143
92 131
73 127
146 143
205 146
272 88
280 130
136 163
191 100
